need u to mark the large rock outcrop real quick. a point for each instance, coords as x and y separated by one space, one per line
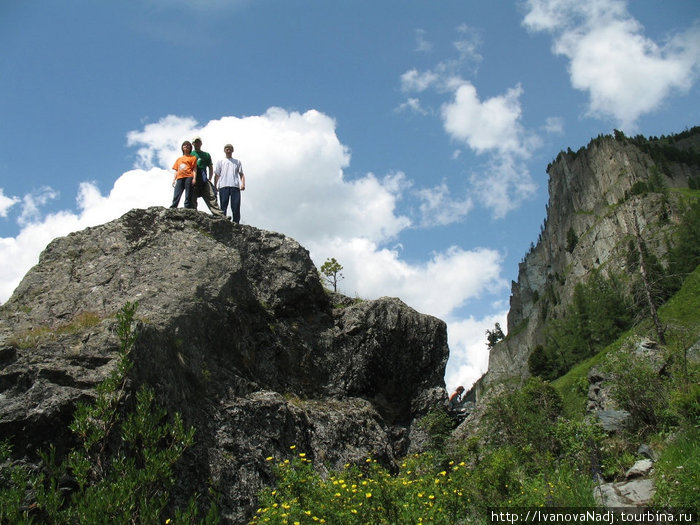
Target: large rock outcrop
595 195
235 332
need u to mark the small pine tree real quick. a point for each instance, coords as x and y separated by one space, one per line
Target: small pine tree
330 272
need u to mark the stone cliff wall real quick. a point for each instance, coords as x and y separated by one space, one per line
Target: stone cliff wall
235 332
590 194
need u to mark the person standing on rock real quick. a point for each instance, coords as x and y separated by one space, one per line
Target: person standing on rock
456 398
185 168
230 180
204 187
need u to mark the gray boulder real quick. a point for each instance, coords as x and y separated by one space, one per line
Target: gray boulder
235 332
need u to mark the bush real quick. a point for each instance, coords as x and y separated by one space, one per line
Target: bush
638 388
439 425
524 418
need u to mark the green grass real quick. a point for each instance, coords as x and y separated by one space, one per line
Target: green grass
43 334
678 471
681 315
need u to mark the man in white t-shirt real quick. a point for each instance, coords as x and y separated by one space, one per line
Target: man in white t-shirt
230 180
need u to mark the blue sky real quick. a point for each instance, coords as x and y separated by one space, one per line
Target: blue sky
407 139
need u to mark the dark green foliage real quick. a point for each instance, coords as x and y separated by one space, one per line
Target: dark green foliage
686 402
546 363
638 388
639 188
439 425
685 254
599 313
524 418
494 336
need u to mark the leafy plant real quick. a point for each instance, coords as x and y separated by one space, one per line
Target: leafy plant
638 388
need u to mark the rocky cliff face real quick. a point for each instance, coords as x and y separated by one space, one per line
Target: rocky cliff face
235 332
592 199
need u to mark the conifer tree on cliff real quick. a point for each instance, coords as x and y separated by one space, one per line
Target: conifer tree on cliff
330 272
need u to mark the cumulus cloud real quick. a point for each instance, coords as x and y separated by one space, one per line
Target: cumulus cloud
296 185
6 203
491 124
469 359
625 73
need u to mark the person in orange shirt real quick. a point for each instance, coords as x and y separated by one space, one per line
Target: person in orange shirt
185 168
456 398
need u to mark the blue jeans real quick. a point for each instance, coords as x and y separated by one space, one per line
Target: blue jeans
180 186
234 194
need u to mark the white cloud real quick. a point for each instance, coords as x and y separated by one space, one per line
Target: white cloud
492 124
412 104
416 81
294 173
439 209
6 203
554 125
469 356
32 202
625 74
160 141
492 127
503 185
468 45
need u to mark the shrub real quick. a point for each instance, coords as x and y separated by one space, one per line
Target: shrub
439 425
524 418
638 388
